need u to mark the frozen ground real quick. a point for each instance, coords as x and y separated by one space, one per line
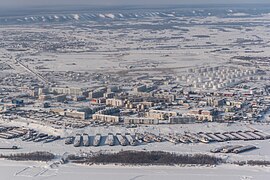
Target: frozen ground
58 147
170 45
40 171
148 45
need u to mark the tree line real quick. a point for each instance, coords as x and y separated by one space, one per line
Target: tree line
147 158
32 156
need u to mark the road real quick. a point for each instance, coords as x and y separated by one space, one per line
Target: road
13 61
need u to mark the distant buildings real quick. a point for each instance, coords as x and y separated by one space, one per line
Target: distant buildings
181 119
63 90
203 114
115 102
136 120
68 91
75 114
161 99
71 113
168 97
106 118
161 115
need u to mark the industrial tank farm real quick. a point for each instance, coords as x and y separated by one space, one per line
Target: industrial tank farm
219 77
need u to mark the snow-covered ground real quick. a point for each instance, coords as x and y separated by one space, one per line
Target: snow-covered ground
113 46
58 147
40 171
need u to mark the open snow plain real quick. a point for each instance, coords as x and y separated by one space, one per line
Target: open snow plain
153 40
40 171
149 41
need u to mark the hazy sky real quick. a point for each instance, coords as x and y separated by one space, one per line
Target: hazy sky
27 3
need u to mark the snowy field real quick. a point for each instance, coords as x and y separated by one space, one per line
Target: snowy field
40 171
150 43
59 148
171 45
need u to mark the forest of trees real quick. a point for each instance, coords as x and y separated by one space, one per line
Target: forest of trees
147 158
133 158
253 163
33 156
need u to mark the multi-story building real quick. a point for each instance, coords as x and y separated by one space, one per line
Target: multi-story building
140 88
167 97
203 115
68 91
136 120
181 119
75 114
106 118
161 115
115 102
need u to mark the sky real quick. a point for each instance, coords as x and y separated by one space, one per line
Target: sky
29 3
